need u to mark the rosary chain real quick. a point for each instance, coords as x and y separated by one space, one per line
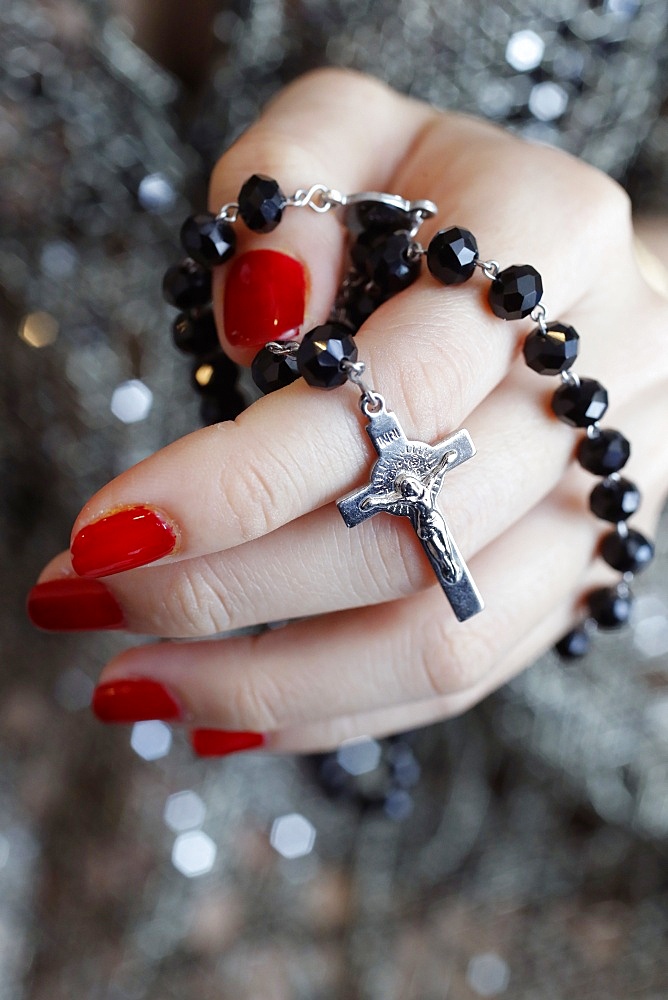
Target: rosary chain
370 400
281 348
490 268
319 197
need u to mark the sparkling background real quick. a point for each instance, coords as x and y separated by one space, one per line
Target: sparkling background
523 852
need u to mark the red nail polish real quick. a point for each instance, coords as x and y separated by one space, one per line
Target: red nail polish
123 540
134 700
73 605
265 295
218 742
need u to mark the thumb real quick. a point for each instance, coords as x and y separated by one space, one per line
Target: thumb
334 127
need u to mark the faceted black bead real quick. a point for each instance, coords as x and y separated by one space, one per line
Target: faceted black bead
359 303
614 499
451 255
321 352
608 608
553 352
388 264
208 240
195 333
363 245
574 644
215 376
213 409
187 285
516 291
580 405
627 554
608 452
273 371
375 216
261 203
384 783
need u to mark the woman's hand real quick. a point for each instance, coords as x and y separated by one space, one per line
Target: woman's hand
247 530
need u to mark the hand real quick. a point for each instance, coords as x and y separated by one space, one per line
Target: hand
249 523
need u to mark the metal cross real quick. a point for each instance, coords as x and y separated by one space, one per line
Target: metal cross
406 480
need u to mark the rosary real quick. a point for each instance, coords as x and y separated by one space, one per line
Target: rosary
406 479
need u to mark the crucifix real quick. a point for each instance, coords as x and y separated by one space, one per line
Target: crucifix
406 480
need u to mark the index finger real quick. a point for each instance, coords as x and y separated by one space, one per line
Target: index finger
316 131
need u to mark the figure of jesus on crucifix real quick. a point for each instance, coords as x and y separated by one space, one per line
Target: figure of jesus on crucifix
406 480
415 498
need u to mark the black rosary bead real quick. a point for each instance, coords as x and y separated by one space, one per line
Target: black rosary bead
516 291
574 645
609 608
614 499
213 410
215 376
580 405
208 240
195 333
388 263
452 255
261 203
604 454
362 247
386 786
187 285
552 352
630 553
376 217
321 352
358 304
273 371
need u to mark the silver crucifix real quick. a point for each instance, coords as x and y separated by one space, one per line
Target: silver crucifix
406 480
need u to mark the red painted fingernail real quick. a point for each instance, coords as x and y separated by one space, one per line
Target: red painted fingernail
123 540
218 742
134 700
73 605
265 296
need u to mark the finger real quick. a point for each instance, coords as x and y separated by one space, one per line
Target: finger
299 448
367 659
328 734
312 132
316 564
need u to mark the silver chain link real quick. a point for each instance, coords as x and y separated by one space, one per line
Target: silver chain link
319 197
229 212
281 348
370 400
538 315
490 268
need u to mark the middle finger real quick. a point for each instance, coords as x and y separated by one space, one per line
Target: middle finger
316 564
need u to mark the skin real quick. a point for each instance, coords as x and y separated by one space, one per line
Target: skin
260 536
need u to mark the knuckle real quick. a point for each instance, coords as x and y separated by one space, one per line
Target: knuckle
194 605
444 385
449 664
258 494
256 702
611 209
612 196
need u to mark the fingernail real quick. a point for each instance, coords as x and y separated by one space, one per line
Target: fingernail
128 538
265 295
73 605
134 700
219 742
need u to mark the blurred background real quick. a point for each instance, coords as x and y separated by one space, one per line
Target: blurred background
520 851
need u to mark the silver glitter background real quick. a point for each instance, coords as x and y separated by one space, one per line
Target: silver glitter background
529 861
